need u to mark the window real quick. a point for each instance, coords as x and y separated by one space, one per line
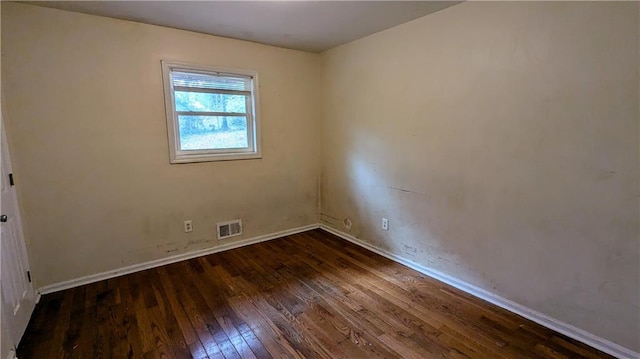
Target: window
211 113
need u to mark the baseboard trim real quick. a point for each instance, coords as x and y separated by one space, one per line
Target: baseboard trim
542 319
168 260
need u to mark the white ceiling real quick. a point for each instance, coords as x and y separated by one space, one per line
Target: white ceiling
303 25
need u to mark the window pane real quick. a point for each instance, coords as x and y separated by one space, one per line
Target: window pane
212 132
210 102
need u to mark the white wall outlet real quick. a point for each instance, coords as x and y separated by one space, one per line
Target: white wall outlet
188 226
385 224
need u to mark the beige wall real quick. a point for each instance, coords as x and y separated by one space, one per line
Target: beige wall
501 140
87 128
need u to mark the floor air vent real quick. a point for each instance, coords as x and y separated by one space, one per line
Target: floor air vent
229 229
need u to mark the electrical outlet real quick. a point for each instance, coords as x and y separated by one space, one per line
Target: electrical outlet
385 224
188 226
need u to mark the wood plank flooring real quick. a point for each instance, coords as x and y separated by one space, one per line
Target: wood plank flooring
310 295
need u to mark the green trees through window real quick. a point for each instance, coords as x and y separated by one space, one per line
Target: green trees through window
199 132
211 102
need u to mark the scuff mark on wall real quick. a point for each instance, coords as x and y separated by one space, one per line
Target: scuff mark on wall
199 241
347 223
408 191
409 251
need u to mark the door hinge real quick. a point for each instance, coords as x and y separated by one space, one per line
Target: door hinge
29 276
11 179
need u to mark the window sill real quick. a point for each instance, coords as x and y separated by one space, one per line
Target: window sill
214 158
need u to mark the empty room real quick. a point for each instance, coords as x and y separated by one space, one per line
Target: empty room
320 179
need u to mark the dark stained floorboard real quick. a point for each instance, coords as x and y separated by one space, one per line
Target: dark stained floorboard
310 295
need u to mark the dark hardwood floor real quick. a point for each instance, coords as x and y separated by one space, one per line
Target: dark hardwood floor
310 295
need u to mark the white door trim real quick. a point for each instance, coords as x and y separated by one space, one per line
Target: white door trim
17 294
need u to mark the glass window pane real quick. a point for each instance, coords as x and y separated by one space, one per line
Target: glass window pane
210 102
212 132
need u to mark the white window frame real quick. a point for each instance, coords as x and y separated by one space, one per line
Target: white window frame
177 155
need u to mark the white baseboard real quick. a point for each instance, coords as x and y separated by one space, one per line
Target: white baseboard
168 260
544 320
